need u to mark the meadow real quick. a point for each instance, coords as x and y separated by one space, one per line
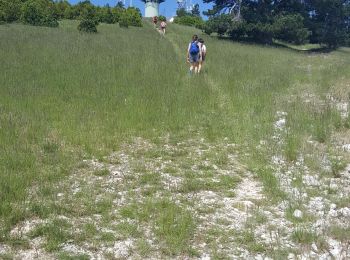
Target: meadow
110 149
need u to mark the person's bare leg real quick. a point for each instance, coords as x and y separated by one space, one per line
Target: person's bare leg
196 68
199 67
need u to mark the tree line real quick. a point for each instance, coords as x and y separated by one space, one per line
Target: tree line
49 12
192 18
326 22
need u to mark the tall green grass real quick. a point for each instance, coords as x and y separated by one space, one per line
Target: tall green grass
66 95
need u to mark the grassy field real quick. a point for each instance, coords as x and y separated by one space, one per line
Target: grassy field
110 149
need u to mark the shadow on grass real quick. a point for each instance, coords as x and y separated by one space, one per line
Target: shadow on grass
321 49
296 48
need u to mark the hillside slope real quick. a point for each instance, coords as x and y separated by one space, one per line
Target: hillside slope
111 150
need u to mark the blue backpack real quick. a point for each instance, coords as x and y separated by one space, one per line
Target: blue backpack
194 49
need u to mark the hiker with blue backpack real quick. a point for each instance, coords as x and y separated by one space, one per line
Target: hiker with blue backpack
194 54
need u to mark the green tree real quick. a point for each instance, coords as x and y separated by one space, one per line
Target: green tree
181 12
88 17
118 12
195 11
120 5
10 10
88 26
124 20
61 8
329 21
219 24
106 15
291 28
190 20
39 13
162 18
134 16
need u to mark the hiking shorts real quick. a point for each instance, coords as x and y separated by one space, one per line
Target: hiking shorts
194 58
203 57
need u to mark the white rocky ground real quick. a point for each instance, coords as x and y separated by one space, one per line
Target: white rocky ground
234 218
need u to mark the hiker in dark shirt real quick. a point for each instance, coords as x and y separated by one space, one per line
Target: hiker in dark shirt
155 21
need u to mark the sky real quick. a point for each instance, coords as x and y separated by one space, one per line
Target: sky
167 8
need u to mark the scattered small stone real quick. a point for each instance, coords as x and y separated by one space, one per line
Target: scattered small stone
333 186
345 212
205 257
346 147
310 180
298 214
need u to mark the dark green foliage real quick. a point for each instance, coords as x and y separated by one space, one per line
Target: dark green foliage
81 10
290 28
134 16
222 24
117 12
39 13
106 15
61 8
319 21
130 17
190 20
87 11
71 13
10 10
195 11
181 12
120 5
330 22
88 14
260 32
162 18
124 20
238 30
88 26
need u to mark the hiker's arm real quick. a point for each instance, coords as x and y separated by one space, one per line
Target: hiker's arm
188 53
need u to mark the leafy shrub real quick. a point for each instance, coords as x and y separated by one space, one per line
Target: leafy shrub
117 13
10 10
189 20
238 30
106 15
88 26
291 28
182 12
260 32
162 18
61 8
89 19
39 13
130 17
71 13
219 24
134 17
207 28
124 20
